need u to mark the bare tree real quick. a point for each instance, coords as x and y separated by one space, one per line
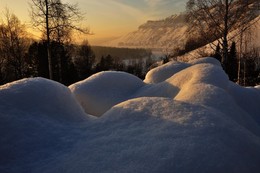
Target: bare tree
56 21
84 60
215 19
13 45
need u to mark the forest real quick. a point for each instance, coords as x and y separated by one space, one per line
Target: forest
56 55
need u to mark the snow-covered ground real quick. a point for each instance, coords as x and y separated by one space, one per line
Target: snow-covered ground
184 117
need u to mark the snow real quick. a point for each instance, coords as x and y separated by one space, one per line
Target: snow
33 115
163 72
103 90
247 98
184 117
39 95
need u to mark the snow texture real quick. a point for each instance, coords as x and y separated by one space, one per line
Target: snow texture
103 90
184 117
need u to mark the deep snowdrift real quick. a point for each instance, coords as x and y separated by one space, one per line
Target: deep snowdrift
35 118
40 96
103 90
184 117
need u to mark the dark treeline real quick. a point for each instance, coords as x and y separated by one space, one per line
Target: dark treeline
243 69
55 56
71 62
122 53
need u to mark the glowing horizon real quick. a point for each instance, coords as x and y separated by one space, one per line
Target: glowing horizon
108 18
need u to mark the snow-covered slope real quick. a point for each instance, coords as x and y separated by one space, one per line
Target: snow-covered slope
170 34
251 43
161 34
185 117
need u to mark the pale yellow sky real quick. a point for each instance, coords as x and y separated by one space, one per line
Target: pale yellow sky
108 18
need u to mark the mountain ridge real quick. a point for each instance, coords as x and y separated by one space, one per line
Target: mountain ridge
168 35
155 34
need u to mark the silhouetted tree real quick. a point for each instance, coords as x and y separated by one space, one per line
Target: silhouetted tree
232 63
106 63
250 69
217 18
84 60
63 71
217 53
55 20
136 69
37 59
13 46
118 64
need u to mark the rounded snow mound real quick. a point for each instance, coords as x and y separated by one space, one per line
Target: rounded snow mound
207 60
161 73
193 120
198 81
40 96
100 92
178 84
164 135
200 73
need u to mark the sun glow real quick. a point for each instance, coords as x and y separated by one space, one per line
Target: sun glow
105 19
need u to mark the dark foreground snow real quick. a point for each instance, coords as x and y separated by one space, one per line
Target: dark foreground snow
184 117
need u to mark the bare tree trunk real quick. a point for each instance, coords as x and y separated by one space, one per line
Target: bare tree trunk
48 40
225 35
244 76
239 59
59 62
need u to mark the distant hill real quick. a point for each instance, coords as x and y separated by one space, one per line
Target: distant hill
160 34
167 34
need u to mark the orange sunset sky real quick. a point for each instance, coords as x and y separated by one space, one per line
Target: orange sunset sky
108 18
